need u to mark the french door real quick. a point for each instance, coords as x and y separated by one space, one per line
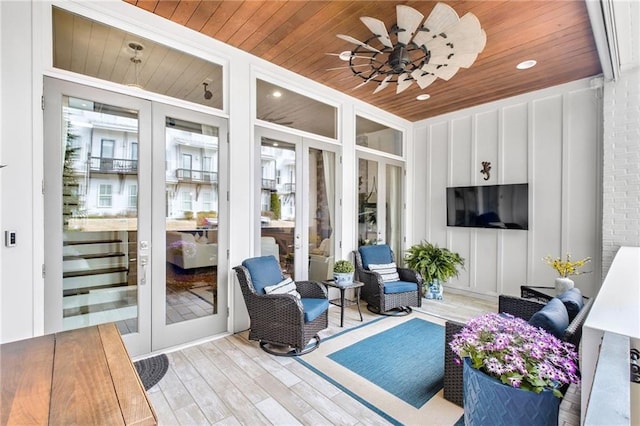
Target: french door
296 194
380 201
115 189
189 206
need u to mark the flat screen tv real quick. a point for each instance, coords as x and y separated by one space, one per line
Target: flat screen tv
489 206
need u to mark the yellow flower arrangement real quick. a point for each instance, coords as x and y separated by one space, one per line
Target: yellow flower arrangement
566 267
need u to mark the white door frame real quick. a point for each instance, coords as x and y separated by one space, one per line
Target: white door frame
138 342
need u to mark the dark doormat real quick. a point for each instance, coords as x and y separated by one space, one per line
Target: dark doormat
152 369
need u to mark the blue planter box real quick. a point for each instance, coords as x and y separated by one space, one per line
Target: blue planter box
487 401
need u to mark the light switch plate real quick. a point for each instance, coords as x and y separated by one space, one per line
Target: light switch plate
10 238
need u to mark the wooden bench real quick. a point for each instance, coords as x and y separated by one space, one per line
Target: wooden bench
82 376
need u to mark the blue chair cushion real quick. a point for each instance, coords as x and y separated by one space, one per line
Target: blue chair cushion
572 300
552 317
399 287
265 271
380 254
313 308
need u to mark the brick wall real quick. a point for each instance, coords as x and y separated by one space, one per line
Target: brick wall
621 165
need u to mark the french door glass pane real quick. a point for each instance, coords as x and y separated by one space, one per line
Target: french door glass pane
191 220
99 215
321 200
367 202
278 201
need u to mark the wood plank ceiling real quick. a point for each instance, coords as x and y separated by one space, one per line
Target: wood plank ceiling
297 35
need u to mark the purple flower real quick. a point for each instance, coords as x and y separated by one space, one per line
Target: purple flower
511 350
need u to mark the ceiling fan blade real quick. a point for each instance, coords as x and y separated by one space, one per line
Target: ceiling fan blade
423 79
409 20
347 67
384 83
464 60
446 72
378 29
351 56
442 16
404 81
366 81
358 42
473 44
438 46
429 68
467 27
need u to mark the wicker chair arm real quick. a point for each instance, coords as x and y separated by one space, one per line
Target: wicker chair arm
267 304
573 332
410 275
311 289
371 279
413 276
521 308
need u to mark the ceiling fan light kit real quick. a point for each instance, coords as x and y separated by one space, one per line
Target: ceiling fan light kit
438 48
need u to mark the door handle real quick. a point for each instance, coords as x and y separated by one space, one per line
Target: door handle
144 260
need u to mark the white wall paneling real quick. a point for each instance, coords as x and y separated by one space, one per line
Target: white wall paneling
513 150
486 148
547 189
439 147
461 151
548 139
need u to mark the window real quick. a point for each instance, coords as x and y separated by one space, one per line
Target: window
186 73
104 196
187 204
378 136
287 108
187 161
133 196
207 204
107 148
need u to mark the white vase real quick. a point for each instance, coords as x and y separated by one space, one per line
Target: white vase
563 284
343 277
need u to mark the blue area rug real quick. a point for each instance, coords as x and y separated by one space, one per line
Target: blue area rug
406 360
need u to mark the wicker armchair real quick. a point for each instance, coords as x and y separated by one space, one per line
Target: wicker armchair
284 324
387 298
518 307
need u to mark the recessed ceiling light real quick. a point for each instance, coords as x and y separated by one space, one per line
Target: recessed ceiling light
526 64
345 56
275 144
423 97
276 94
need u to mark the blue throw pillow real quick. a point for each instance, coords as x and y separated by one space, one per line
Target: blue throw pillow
377 254
552 317
572 300
265 271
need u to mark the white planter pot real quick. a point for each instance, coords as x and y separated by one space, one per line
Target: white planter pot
563 284
343 277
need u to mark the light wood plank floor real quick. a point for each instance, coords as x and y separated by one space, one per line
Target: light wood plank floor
231 381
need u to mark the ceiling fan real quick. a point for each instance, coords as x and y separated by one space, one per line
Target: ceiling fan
410 52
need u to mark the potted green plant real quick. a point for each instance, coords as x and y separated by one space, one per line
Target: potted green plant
435 264
343 272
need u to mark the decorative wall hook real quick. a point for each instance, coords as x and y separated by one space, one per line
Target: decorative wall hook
486 168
